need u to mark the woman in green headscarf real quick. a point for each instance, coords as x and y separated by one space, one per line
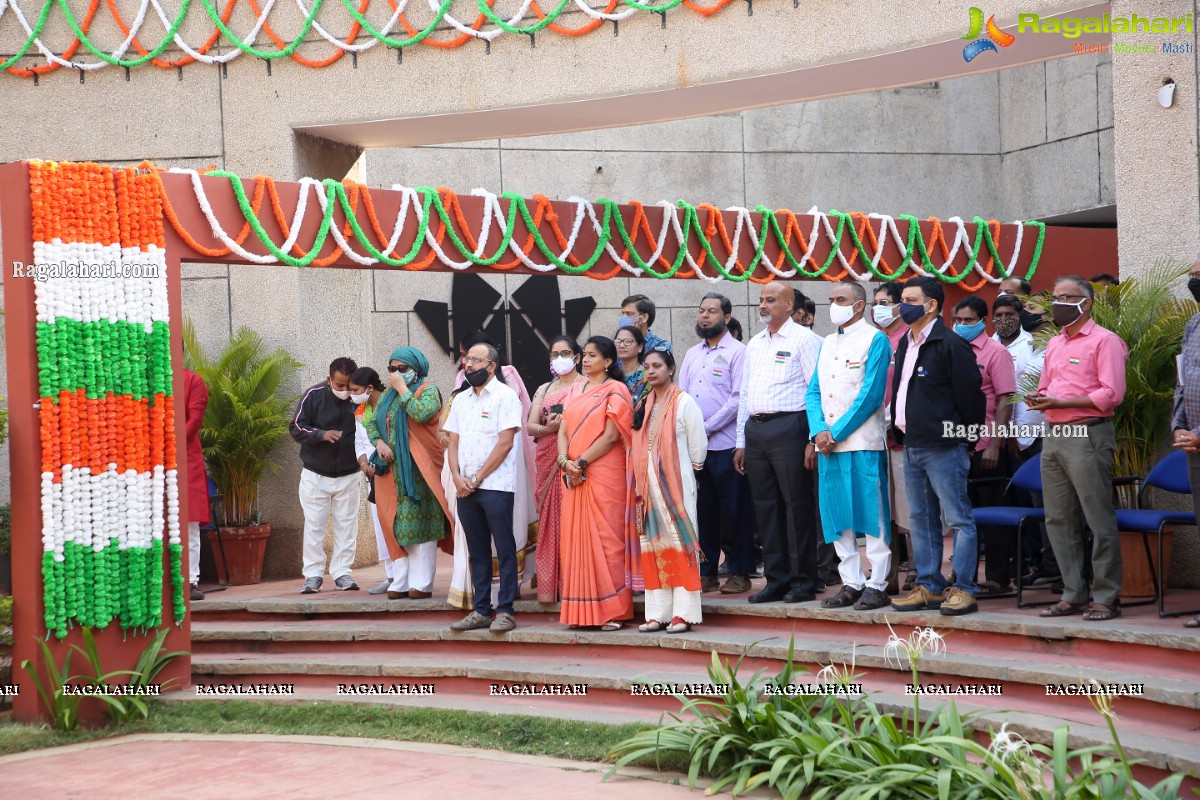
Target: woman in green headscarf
408 465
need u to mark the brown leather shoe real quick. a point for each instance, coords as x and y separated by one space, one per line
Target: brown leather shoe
736 584
413 594
397 595
710 584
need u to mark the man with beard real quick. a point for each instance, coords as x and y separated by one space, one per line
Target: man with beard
712 374
772 433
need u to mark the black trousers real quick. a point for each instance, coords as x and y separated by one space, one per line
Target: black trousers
998 543
721 492
782 491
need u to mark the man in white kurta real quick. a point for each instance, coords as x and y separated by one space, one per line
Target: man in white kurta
846 423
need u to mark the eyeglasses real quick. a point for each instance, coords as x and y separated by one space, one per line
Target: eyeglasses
661 348
624 342
394 368
476 362
561 354
1066 298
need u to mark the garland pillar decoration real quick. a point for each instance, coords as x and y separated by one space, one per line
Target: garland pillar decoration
109 486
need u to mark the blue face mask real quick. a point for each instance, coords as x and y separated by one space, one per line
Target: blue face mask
969 332
409 376
626 322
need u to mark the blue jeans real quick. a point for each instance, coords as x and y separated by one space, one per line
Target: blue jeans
936 481
487 516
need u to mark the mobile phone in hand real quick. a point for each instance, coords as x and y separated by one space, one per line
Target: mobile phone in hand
557 408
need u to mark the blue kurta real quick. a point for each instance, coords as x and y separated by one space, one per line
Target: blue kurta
854 484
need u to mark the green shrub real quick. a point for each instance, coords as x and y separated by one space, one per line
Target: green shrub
842 747
5 530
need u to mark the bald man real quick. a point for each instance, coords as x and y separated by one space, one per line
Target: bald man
772 430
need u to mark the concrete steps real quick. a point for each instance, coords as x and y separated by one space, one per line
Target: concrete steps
318 644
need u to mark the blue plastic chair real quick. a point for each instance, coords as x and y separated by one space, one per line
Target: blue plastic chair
1170 475
215 499
1028 477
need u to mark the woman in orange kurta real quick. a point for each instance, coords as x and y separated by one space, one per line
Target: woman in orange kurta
597 530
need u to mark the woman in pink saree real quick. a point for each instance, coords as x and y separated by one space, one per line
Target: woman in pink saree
544 420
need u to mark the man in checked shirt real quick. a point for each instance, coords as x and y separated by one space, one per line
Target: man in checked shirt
1185 422
772 428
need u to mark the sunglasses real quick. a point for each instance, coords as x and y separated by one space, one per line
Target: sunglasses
393 368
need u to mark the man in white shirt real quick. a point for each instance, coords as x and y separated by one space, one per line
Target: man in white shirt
482 425
772 430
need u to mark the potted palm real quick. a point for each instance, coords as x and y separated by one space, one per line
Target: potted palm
1148 315
246 417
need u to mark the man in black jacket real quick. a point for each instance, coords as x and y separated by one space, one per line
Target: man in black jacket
937 409
324 426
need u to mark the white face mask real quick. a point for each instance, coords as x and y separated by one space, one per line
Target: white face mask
840 315
359 399
883 315
340 394
562 365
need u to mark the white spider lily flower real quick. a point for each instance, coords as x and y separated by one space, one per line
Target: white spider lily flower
1006 745
919 642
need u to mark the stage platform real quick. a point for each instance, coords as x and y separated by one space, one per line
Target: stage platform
1008 664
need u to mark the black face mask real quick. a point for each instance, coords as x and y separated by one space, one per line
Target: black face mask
1194 288
1030 321
477 377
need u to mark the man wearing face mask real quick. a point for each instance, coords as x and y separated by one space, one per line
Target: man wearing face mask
324 426
1185 420
1082 384
483 424
885 313
990 458
637 311
846 421
936 387
712 375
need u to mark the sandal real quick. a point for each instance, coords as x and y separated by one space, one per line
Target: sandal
678 625
1063 609
1100 612
992 589
651 626
1194 622
612 625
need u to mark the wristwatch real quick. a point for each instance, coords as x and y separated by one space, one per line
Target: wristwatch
582 462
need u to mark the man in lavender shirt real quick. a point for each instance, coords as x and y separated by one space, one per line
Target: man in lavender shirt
712 375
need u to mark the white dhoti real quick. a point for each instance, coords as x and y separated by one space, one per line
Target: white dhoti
380 544
193 552
899 495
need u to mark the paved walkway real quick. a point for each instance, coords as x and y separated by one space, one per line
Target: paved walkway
167 766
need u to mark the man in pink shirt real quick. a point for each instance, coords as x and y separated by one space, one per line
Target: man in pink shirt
1082 383
989 460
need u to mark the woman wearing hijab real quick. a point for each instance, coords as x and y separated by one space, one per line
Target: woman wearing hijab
408 465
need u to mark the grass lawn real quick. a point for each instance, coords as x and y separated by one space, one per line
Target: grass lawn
582 741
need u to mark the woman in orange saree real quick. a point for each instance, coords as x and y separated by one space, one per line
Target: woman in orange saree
597 529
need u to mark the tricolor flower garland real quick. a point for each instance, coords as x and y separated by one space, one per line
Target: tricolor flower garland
109 483
436 16
695 231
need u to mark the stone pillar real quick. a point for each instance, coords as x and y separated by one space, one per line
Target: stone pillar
1155 150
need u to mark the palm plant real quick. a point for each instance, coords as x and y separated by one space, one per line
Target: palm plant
1148 316
246 416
